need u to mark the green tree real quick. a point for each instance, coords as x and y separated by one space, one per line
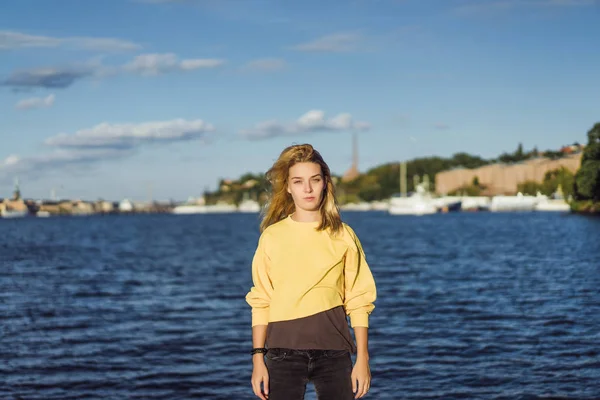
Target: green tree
519 155
553 155
467 161
554 178
587 178
369 189
470 190
549 185
530 187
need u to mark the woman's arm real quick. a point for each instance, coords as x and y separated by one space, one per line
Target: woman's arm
362 342
259 336
360 290
260 375
361 373
360 294
259 298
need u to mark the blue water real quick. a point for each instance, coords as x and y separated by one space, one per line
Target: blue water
471 306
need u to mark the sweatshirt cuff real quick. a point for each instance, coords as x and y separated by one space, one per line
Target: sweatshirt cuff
359 319
260 316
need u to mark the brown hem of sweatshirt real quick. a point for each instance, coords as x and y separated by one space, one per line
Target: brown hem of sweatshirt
327 330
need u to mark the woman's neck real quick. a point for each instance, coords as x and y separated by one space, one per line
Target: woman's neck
306 216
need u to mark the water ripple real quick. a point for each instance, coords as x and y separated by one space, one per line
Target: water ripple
472 306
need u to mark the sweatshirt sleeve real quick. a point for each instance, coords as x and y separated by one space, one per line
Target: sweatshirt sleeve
360 290
259 297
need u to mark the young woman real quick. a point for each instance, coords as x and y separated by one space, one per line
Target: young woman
309 272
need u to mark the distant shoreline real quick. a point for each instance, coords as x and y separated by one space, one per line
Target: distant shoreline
585 207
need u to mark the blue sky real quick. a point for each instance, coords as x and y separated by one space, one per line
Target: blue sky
109 99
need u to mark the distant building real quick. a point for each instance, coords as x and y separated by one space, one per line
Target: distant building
15 204
81 207
104 207
572 149
504 178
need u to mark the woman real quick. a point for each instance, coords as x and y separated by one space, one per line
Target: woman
309 271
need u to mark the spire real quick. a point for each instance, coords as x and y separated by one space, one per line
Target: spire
353 172
17 192
355 151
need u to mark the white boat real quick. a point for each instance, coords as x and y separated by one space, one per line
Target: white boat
249 206
125 206
420 203
447 204
520 202
410 206
42 214
475 203
553 205
380 205
14 213
557 204
363 206
191 206
221 208
190 209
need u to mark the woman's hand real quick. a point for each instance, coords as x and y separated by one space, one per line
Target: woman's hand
361 377
260 375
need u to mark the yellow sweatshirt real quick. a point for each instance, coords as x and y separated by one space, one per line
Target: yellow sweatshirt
298 271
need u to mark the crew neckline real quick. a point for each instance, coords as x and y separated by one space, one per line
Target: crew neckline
307 224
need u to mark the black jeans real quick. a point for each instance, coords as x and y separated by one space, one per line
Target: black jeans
290 371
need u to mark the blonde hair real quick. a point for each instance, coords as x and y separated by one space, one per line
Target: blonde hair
281 204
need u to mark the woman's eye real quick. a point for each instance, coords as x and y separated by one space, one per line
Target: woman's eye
297 182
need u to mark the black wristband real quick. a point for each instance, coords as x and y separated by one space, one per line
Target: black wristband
258 350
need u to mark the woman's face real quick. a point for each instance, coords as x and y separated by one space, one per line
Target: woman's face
306 184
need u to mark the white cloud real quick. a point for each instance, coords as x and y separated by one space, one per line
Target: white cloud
15 40
36 102
265 65
18 40
101 143
56 78
312 121
65 76
155 64
101 44
36 165
11 160
334 43
196 63
126 136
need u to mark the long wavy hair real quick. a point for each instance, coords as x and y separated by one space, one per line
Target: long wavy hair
281 204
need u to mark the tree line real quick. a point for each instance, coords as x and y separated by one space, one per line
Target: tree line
383 181
586 186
